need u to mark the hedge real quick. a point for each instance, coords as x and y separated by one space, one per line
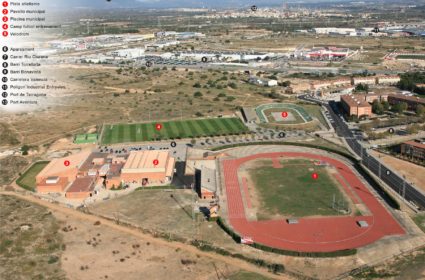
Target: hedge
357 164
272 267
156 188
229 231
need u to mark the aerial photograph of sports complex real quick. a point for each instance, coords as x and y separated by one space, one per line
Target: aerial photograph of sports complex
186 139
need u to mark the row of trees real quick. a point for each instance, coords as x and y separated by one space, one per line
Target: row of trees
381 107
409 81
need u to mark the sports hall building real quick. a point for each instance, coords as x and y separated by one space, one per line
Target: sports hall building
78 175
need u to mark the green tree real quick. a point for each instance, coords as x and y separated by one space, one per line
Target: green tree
233 85
198 94
399 108
362 87
377 107
25 149
420 110
286 83
386 105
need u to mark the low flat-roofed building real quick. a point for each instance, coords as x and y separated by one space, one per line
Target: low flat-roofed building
412 101
320 85
113 176
341 82
375 96
148 167
52 185
413 149
356 105
65 168
364 80
81 188
388 80
205 183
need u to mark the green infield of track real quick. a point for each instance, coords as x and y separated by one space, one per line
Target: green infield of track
126 133
291 191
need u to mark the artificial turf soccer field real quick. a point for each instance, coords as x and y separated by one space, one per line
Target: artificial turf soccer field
291 191
125 133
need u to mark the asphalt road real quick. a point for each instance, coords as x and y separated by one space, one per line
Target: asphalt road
393 180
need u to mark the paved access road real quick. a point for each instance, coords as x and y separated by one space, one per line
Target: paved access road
390 177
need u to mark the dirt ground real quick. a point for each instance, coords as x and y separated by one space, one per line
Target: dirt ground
10 167
97 252
95 248
414 173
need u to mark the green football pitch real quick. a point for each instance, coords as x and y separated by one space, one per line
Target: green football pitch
125 133
291 191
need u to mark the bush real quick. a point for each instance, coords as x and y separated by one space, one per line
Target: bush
233 85
52 259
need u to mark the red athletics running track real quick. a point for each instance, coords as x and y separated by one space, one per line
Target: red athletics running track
325 234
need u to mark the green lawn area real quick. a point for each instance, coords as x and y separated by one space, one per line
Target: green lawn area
419 219
315 111
292 192
245 275
27 180
85 138
124 133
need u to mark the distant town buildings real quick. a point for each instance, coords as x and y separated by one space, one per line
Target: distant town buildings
346 82
323 53
364 80
128 53
262 82
412 101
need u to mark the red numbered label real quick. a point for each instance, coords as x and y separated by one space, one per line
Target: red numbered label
66 162
155 162
284 114
315 176
158 126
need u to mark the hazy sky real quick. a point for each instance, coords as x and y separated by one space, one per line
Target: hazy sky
170 3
